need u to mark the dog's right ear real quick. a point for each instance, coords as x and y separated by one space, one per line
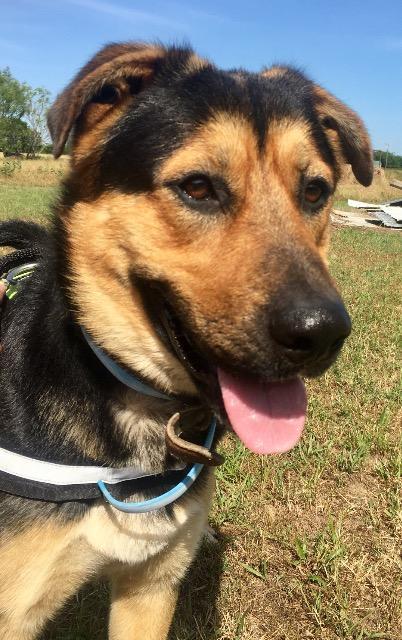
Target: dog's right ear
105 83
349 129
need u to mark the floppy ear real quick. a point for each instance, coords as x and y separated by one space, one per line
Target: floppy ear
107 81
353 138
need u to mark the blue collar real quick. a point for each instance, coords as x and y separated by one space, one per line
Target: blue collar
131 381
169 496
124 376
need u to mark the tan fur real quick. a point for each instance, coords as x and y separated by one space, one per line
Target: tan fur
39 569
141 614
111 309
195 63
274 72
217 265
42 567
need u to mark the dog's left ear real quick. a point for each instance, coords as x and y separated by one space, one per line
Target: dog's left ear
353 138
105 84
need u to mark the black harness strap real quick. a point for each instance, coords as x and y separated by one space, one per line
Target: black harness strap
18 258
77 492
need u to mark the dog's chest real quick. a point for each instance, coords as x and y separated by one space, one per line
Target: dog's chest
135 538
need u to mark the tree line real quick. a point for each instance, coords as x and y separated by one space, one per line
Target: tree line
388 159
23 112
23 127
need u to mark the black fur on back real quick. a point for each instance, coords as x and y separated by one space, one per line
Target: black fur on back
52 387
18 234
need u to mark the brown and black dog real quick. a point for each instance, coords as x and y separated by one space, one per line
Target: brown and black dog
198 200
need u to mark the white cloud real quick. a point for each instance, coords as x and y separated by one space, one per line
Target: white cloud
204 15
132 15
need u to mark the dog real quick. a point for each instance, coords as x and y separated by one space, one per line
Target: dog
187 248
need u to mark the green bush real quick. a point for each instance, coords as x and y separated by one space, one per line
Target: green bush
9 167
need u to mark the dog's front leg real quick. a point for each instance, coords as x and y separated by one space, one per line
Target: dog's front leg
144 597
141 612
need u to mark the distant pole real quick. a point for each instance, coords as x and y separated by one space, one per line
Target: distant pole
386 156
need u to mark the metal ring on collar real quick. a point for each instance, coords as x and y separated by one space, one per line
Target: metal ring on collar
169 496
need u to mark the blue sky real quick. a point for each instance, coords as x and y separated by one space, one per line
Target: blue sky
354 48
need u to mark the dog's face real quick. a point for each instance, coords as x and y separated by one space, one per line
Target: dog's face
199 200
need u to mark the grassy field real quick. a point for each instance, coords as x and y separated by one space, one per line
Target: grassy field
27 187
379 191
309 542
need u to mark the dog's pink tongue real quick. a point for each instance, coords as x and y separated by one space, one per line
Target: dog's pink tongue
267 418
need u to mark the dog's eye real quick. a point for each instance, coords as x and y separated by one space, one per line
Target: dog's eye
202 193
315 193
198 188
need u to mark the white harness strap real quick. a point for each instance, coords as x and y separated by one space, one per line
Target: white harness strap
21 466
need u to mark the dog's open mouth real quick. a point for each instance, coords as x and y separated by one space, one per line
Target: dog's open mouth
268 417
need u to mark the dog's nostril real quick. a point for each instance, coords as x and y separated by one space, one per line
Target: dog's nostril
306 332
300 344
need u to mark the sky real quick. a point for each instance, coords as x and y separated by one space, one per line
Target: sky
353 48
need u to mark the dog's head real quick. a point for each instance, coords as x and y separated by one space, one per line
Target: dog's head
198 201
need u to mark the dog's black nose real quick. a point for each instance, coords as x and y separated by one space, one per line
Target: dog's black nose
310 330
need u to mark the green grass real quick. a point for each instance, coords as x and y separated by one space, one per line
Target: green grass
308 542
27 202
